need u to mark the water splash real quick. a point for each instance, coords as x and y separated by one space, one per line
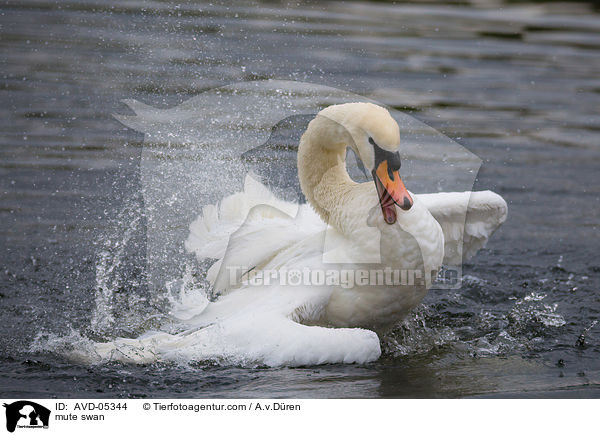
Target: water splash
124 305
189 295
531 315
417 334
487 333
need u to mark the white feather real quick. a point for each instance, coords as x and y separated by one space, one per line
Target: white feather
468 219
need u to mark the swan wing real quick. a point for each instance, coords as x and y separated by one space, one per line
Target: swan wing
246 230
468 219
256 244
210 232
260 332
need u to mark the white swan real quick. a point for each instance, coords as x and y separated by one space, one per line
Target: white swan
365 230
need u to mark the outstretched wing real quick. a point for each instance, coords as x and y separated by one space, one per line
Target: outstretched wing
246 230
468 219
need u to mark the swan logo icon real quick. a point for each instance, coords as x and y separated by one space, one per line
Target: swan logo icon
243 139
26 414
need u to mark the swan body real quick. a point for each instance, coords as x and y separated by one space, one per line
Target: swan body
346 228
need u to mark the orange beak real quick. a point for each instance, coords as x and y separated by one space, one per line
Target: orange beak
391 190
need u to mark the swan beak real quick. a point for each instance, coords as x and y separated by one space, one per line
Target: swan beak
391 189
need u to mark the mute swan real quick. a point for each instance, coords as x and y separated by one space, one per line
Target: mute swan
345 227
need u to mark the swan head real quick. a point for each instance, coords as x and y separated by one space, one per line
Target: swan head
375 137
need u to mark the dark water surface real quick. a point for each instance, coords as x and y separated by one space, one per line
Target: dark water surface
517 84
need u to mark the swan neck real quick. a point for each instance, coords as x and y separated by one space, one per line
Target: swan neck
322 166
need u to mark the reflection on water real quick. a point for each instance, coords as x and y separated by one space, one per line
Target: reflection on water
517 85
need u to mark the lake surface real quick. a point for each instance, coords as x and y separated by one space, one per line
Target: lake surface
517 84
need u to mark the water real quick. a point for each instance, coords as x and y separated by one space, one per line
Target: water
517 85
